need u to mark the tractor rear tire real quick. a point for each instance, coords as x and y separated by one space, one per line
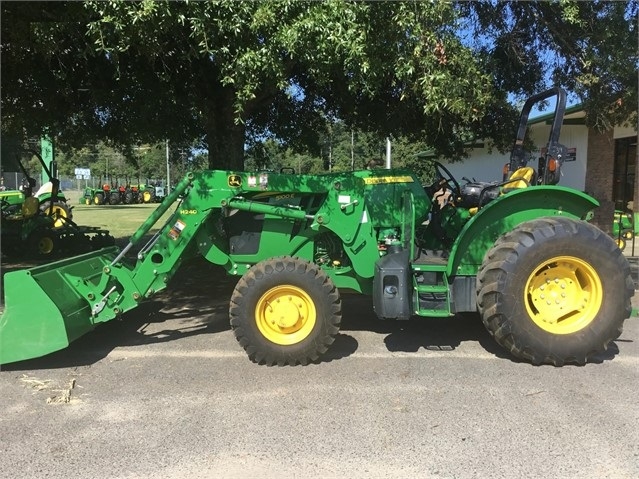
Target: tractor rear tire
114 199
59 210
98 199
285 311
555 291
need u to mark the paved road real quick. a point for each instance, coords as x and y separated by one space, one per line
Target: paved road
168 393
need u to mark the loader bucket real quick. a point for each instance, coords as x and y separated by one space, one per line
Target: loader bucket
43 311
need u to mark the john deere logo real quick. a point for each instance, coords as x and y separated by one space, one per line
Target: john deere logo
235 181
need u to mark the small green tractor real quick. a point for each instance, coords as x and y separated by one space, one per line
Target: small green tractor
50 201
40 225
87 196
623 228
100 196
549 287
151 192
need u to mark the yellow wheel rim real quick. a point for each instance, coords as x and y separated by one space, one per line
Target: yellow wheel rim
563 295
45 245
87 201
96 200
285 315
57 212
146 197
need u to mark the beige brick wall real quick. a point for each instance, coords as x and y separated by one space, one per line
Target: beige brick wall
599 176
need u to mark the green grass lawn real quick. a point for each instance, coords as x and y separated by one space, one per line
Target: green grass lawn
121 220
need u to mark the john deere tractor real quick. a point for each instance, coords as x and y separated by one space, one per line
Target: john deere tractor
40 224
50 199
550 287
623 228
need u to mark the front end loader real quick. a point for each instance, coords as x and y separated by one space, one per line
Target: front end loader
550 287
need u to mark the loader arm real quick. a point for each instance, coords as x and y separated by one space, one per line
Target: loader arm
342 222
76 294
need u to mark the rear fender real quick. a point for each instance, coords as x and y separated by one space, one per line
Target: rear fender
505 213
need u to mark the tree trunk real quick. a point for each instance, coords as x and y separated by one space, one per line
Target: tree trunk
225 138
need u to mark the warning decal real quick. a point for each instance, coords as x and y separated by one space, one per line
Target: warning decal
177 229
376 180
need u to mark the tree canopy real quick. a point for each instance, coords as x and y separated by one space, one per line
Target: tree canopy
229 75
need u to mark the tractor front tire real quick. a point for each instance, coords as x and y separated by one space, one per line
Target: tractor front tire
621 243
554 291
42 244
285 311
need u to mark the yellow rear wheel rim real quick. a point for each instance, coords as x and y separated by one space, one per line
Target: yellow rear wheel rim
563 295
146 196
57 212
285 315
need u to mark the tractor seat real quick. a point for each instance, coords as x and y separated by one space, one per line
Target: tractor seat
30 206
520 178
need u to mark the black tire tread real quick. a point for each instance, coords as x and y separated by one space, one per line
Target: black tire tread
273 354
501 262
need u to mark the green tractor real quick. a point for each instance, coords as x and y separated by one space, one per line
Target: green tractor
151 192
550 287
50 199
99 196
40 224
146 193
623 228
87 196
106 195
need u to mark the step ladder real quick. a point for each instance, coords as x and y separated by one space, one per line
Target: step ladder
431 293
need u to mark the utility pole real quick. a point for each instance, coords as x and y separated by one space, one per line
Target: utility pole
352 150
388 154
330 158
168 172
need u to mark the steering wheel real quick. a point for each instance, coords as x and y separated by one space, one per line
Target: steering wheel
445 179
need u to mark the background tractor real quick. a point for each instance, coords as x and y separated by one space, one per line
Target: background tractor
103 195
152 192
623 228
50 199
40 224
550 287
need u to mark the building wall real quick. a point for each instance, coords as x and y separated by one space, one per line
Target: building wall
624 132
592 172
483 165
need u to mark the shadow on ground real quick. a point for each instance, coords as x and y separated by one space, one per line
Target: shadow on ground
196 302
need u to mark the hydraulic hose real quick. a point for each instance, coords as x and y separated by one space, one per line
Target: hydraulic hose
156 215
